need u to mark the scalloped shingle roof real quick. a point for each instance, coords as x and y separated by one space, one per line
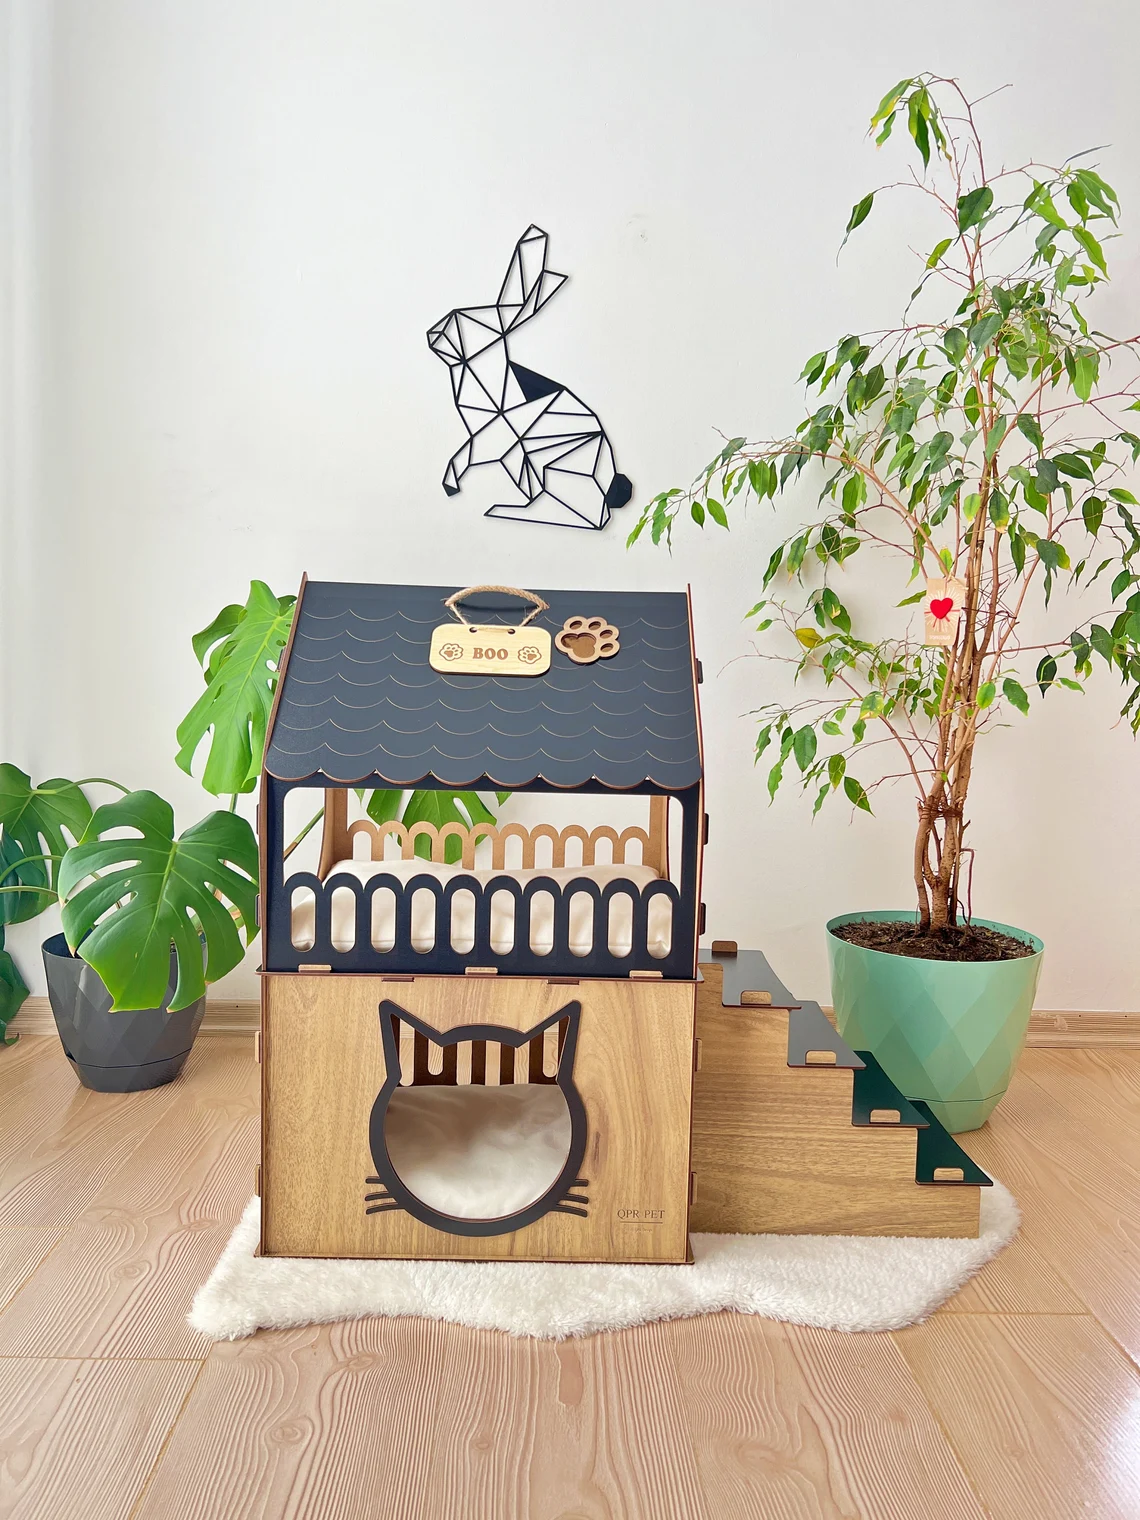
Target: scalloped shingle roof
359 699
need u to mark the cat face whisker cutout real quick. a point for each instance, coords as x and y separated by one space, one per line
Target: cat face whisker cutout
454 1105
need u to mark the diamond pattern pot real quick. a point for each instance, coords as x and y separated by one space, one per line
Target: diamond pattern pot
947 1032
115 1052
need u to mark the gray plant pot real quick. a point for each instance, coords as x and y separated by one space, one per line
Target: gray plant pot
115 1052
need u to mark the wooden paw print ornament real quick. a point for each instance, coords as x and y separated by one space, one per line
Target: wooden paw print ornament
587 639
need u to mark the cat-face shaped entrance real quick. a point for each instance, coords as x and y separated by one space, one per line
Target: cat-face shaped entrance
478 1130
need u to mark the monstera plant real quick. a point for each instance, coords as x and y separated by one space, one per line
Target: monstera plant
128 898
37 824
239 652
149 918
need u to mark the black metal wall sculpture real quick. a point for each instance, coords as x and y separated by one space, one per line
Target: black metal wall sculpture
550 443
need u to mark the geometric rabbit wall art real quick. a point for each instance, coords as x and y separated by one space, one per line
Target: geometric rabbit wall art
442 1148
551 444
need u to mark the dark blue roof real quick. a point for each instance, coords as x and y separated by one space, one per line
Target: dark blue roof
359 699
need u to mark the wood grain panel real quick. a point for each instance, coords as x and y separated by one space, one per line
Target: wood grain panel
1044 1411
789 1424
633 1070
57 1155
121 1281
79 1438
430 1421
21 1252
1079 1189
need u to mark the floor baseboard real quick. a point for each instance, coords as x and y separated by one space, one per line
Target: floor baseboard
1046 1027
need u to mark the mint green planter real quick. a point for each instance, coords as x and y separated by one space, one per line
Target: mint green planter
948 1032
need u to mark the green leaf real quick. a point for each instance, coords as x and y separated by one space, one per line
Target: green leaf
983 329
808 637
856 793
1046 671
972 208
763 739
717 512
986 693
971 502
33 821
1092 510
1047 477
1016 694
13 991
909 601
937 251
814 367
889 101
1085 375
954 342
1053 555
241 678
698 514
152 892
803 746
1091 247
775 776
995 436
999 511
1074 466
859 214
836 767
1032 430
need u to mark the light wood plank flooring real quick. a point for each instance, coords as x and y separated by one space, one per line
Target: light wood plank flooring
1019 1401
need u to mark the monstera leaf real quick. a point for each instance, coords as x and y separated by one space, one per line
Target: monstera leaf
32 824
12 991
435 807
152 891
240 651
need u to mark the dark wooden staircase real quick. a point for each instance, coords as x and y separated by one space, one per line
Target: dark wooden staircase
795 1133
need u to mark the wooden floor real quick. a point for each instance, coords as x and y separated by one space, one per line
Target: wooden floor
1020 1399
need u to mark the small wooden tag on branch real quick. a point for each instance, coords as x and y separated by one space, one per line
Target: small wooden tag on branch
943 607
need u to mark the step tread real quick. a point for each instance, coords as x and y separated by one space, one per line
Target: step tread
873 1089
809 1028
938 1148
746 971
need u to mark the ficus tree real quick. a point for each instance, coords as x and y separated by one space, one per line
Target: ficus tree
983 444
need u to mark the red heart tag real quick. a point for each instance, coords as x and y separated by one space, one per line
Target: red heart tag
942 606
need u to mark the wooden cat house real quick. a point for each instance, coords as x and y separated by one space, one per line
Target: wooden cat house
495 1052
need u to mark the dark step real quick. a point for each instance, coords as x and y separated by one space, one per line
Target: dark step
875 1094
811 1033
938 1151
745 971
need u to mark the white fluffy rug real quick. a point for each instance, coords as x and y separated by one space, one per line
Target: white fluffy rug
838 1282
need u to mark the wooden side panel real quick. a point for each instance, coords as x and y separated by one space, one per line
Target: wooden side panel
774 1149
323 1066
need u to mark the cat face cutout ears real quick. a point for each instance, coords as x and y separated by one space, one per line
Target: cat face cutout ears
566 1193
550 443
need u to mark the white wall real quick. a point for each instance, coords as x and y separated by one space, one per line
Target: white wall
251 210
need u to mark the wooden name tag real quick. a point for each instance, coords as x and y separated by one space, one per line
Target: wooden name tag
495 650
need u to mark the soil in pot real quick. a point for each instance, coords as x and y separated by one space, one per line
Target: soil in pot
962 942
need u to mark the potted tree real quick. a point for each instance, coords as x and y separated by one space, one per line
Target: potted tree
982 445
